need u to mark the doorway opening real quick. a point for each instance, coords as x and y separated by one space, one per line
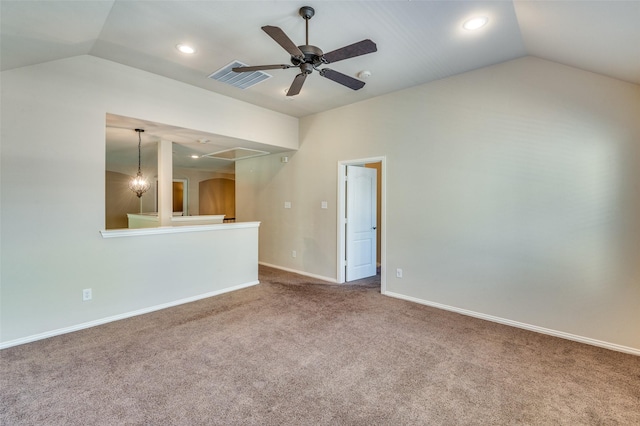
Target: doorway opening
345 255
179 199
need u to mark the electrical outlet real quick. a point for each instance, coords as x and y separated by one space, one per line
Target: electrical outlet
293 253
398 273
86 294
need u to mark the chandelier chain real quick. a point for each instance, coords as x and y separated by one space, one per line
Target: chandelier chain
139 145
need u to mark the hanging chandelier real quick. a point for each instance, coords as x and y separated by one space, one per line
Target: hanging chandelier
139 184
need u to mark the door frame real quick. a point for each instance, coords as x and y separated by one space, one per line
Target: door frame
185 195
341 210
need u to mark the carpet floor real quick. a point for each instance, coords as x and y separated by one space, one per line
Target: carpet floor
297 351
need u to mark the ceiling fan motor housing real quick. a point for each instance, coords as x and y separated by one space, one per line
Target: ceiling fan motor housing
312 55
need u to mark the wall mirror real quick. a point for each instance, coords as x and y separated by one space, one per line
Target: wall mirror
203 169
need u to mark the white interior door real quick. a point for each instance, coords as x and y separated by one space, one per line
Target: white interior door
361 223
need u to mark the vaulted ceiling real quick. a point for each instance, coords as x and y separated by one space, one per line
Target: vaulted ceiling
417 41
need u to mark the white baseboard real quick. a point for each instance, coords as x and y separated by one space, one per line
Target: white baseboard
306 274
89 324
542 330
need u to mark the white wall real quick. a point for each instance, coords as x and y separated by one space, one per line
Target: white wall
512 193
53 183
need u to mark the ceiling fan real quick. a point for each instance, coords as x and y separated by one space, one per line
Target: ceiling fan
309 58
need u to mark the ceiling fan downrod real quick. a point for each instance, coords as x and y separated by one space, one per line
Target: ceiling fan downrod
307 13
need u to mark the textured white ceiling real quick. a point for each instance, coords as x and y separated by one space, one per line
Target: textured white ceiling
418 41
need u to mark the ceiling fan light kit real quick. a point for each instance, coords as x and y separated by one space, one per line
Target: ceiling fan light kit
308 58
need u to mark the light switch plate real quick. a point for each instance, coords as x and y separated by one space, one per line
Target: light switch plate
324 205
287 204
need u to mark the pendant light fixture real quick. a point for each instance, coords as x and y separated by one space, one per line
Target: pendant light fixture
139 184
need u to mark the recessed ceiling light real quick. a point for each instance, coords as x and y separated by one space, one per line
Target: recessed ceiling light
195 156
475 23
185 48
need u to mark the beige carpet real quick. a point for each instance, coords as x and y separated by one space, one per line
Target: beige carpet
294 351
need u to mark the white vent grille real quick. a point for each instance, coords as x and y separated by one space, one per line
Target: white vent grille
242 80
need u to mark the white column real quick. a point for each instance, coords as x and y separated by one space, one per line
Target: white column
165 182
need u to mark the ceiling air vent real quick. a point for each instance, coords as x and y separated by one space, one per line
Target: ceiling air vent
242 80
